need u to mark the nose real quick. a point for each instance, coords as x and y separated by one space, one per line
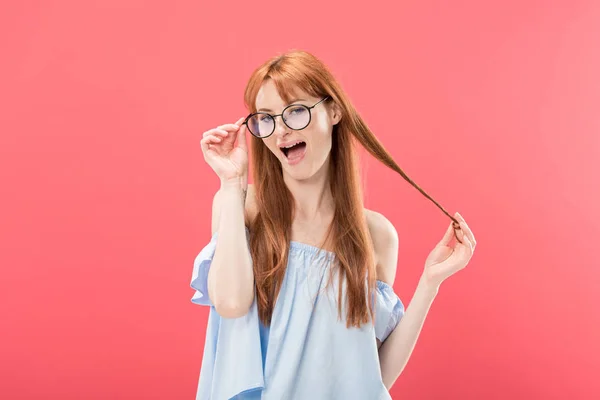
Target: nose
281 129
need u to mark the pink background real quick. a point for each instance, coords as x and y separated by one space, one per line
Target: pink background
494 109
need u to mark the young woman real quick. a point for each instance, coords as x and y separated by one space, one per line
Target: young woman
298 274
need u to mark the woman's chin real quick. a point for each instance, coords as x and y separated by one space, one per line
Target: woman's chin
298 172
306 169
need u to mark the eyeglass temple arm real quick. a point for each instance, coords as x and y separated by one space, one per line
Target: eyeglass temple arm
278 115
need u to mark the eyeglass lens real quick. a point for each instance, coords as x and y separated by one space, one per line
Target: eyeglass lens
295 117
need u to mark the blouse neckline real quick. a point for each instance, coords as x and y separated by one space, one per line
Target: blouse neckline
294 245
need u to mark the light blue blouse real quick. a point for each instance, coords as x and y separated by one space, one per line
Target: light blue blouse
307 352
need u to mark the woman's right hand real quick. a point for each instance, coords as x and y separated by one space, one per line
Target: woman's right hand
228 160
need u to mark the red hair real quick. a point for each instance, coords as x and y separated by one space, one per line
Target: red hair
348 233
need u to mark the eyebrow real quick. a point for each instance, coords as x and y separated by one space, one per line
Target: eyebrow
292 102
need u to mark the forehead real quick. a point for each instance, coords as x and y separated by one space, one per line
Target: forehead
269 98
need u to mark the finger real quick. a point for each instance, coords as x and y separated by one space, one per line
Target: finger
213 138
465 252
447 236
242 138
204 143
221 132
468 232
468 245
466 229
229 127
459 231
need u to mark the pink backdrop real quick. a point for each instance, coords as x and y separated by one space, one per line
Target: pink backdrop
492 109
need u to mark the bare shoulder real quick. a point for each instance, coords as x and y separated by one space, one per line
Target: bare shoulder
385 244
251 207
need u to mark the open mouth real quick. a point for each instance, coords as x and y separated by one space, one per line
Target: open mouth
294 151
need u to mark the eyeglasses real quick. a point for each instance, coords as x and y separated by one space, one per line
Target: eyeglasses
294 116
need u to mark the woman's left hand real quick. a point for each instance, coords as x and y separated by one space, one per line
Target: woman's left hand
445 260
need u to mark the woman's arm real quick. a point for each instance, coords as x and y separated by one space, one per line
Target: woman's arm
398 347
443 261
231 278
395 351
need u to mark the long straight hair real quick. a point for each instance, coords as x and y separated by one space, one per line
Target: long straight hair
348 233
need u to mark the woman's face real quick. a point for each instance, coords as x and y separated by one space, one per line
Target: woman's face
314 142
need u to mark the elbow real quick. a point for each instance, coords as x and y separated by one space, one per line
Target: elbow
232 308
231 292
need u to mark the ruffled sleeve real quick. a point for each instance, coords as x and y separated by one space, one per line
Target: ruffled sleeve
232 358
388 310
200 272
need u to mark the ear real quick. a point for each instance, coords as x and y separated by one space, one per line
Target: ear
336 113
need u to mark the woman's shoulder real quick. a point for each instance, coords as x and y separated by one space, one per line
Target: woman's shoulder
382 230
385 244
383 235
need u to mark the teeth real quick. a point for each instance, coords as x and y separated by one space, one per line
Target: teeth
291 145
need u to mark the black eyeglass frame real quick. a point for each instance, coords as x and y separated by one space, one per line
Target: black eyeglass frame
281 115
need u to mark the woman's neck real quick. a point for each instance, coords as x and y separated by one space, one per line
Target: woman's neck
313 199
